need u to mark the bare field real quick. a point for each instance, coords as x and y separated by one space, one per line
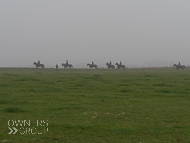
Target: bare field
82 105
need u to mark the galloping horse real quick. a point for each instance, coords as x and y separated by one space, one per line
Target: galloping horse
110 66
120 66
39 65
92 65
179 66
67 65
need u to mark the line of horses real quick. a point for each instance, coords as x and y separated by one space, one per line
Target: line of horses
91 66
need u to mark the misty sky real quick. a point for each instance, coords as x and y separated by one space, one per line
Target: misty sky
136 32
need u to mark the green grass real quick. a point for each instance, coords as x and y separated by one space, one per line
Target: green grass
81 105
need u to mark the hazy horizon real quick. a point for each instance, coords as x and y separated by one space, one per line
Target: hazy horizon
138 33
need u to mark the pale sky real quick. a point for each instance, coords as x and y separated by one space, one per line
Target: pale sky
136 32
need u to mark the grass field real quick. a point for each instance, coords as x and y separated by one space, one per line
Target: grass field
81 105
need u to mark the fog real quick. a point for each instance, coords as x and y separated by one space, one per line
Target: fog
139 33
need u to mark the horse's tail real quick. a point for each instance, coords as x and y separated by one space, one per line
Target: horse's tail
42 66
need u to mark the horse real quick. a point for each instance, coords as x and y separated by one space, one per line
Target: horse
179 66
67 65
92 65
120 66
39 65
110 66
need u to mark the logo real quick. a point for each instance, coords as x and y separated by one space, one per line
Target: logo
25 127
